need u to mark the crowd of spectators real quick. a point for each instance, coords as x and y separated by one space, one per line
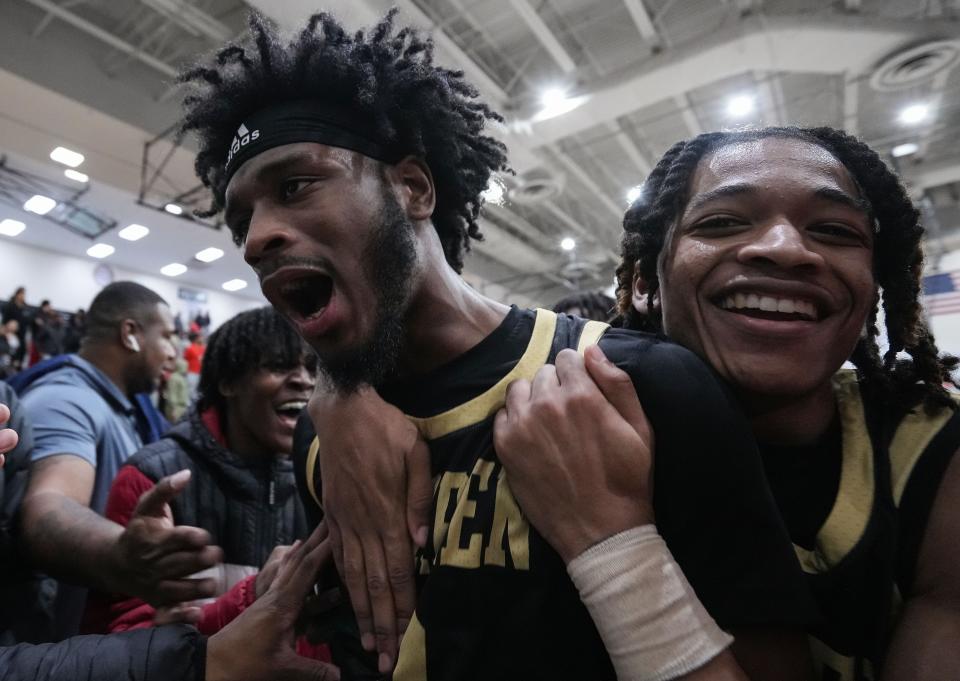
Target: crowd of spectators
31 334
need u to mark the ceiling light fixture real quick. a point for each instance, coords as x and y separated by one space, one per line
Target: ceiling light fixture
173 209
555 102
915 113
634 193
67 157
209 254
904 149
133 232
76 175
100 250
234 285
174 269
740 106
568 244
10 227
39 204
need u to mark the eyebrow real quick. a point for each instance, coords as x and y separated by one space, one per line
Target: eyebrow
831 194
271 168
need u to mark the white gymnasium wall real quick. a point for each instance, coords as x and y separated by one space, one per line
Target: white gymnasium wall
69 283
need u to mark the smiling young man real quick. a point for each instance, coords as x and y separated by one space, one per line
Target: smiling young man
350 168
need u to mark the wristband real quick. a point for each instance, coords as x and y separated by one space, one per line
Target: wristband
651 622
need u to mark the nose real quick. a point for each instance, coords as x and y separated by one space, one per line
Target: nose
267 236
300 378
781 244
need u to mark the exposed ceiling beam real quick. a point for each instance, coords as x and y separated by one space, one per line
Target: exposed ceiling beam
105 36
934 176
851 103
852 5
544 35
641 17
579 228
788 45
190 18
769 106
687 114
631 149
584 178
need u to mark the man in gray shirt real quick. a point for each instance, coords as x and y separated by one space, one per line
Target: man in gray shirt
85 425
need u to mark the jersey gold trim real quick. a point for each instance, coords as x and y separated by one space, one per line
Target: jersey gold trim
911 440
311 467
590 335
412 657
851 510
487 403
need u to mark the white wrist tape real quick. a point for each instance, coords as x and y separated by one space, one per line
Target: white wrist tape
650 620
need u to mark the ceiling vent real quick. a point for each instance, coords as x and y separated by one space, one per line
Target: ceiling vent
915 66
535 187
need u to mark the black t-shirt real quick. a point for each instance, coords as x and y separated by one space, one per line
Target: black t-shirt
495 599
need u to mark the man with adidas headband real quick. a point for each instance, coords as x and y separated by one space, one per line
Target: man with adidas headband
355 205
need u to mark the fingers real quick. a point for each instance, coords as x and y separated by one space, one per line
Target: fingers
8 440
545 382
518 395
400 575
181 590
355 577
4 413
186 614
184 563
336 545
171 540
381 603
419 492
153 501
618 388
299 573
572 371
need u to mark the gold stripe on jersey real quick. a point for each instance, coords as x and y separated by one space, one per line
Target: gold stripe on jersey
311 467
912 438
486 404
854 503
590 335
412 656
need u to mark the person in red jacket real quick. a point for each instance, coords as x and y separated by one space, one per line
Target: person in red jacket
235 443
193 353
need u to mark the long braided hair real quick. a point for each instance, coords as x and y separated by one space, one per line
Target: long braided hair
386 75
897 258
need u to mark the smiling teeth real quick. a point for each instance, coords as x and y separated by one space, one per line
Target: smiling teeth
742 301
293 404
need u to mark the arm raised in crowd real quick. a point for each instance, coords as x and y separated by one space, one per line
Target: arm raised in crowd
148 559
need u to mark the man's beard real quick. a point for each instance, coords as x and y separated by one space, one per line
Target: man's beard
390 259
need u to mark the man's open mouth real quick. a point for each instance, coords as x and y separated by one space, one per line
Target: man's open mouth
765 306
308 295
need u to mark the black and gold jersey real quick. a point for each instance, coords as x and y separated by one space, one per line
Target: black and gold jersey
856 505
495 601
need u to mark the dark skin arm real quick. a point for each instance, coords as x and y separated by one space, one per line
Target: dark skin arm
148 559
924 645
576 439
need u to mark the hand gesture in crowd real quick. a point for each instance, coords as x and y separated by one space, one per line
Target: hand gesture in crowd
153 558
259 644
578 451
368 474
8 436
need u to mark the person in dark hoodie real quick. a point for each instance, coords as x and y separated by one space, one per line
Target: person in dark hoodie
236 441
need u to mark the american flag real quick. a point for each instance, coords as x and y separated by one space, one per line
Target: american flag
941 293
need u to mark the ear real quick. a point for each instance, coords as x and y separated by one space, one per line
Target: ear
414 181
128 329
639 290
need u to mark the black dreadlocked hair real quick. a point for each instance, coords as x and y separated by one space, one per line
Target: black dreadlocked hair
255 339
897 259
385 75
592 305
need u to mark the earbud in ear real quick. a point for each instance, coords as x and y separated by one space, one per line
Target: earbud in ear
132 343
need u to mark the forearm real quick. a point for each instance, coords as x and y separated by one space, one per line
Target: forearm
70 541
924 644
